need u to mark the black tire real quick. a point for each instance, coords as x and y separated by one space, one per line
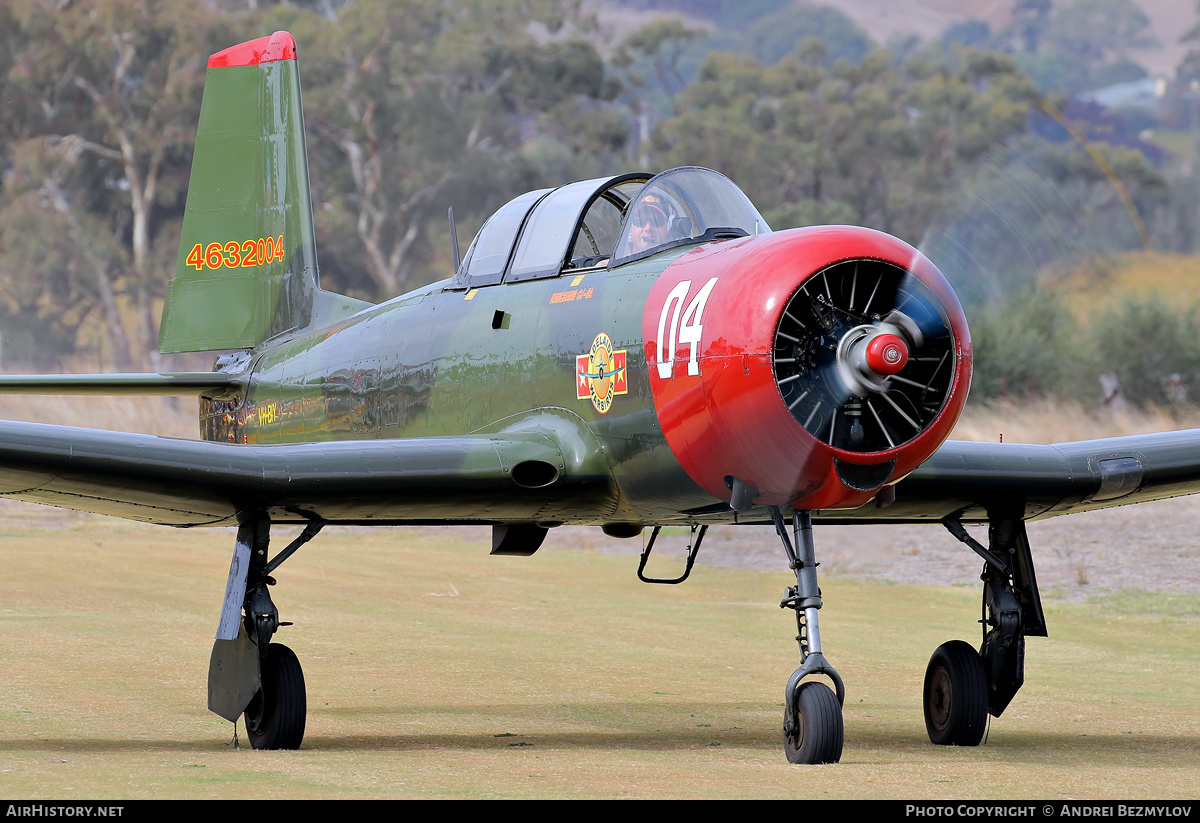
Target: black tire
275 717
955 695
819 733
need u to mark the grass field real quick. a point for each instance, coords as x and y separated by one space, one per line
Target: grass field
434 670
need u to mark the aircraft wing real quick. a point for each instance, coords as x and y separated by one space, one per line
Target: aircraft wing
964 478
469 478
524 476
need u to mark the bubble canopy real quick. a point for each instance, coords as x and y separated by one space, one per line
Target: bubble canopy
685 205
605 222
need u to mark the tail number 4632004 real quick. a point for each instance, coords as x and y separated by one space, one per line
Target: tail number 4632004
684 327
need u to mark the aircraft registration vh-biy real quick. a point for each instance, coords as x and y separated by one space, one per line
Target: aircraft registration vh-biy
629 353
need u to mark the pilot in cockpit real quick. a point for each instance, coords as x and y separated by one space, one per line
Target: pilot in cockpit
649 225
652 223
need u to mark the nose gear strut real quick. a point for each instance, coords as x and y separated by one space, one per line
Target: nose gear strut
812 718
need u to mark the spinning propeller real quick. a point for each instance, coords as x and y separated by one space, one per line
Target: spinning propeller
863 356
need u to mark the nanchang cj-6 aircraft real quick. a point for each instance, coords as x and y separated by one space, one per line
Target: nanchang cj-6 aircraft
632 352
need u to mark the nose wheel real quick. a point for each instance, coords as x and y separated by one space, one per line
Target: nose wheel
814 733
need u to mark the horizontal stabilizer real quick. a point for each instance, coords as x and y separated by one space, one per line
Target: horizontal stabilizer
212 385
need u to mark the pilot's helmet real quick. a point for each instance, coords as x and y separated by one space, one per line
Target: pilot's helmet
650 211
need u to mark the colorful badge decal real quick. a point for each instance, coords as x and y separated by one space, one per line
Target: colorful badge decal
600 374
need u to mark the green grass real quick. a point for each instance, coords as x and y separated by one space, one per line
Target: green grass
434 670
1141 602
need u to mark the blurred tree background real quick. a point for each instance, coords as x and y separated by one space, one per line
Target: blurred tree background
1008 154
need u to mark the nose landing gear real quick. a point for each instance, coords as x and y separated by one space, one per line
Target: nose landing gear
812 718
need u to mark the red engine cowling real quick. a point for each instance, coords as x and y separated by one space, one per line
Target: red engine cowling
814 365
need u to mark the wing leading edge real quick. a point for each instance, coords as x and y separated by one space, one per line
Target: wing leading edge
527 476
966 478
483 478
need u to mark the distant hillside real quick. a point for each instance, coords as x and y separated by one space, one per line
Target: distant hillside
1090 287
928 18
885 19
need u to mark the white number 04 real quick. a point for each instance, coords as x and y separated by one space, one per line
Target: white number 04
686 330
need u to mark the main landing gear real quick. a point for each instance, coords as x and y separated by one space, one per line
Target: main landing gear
248 674
963 686
955 695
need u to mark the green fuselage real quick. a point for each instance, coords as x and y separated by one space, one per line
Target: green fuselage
502 358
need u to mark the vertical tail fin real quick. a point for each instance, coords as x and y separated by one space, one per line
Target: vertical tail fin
247 265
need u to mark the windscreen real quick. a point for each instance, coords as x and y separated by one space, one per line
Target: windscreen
686 205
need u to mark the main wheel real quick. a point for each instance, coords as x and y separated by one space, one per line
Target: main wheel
819 734
956 698
275 717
